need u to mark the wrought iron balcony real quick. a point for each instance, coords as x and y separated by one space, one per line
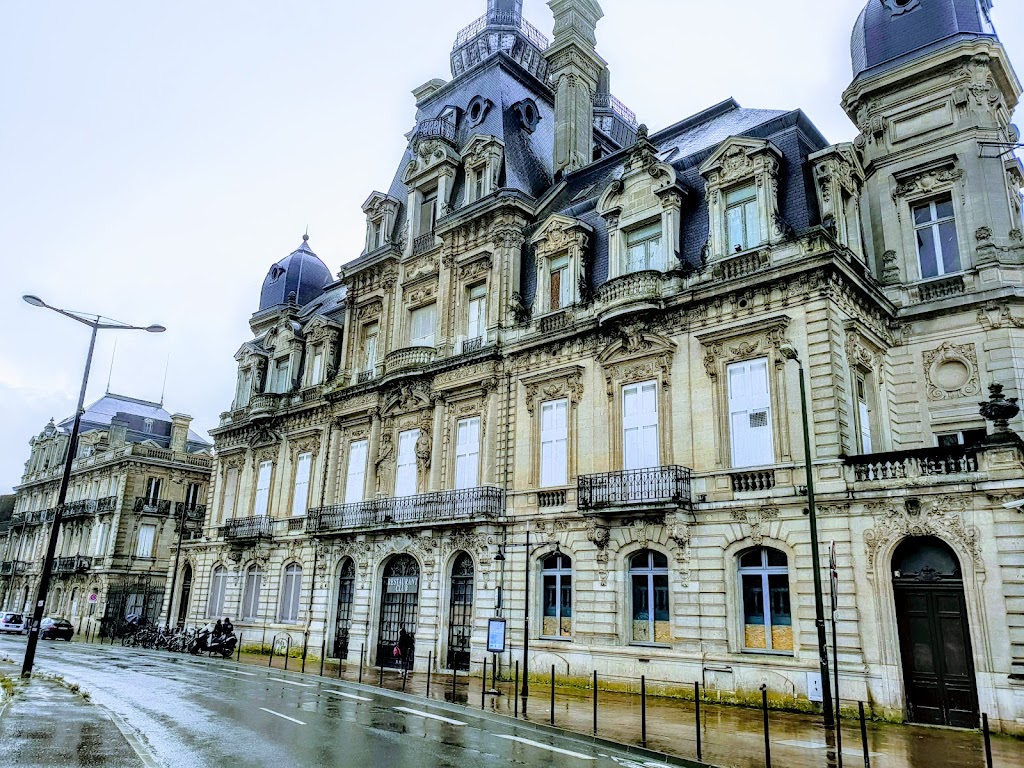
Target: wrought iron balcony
634 488
248 528
923 462
472 345
36 517
77 564
436 128
13 568
87 507
442 506
505 19
152 506
364 376
424 243
191 512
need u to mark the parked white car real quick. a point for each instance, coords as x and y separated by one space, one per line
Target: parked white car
13 622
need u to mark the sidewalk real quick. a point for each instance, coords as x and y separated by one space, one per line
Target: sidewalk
46 725
732 737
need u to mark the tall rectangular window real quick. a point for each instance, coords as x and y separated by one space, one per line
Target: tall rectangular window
421 326
317 375
479 183
282 379
405 472
376 235
144 546
428 212
643 248
355 478
251 593
559 288
291 586
370 334
230 492
863 412
102 538
153 485
554 443
937 246
477 319
640 425
300 499
244 393
192 495
467 453
263 488
750 416
742 218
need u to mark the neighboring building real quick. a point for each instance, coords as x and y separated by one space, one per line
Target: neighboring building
565 324
138 472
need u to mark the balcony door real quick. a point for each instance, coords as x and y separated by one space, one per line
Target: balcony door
405 473
640 426
460 613
186 595
399 603
343 615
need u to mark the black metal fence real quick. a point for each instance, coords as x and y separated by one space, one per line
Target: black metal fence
665 485
467 504
248 528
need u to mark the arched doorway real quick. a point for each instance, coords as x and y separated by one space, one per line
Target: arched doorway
185 595
460 612
399 598
935 639
343 616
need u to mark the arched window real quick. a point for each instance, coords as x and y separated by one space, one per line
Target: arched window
767 623
252 592
218 585
291 586
648 575
460 613
343 618
557 577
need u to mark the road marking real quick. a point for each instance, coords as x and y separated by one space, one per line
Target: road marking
428 715
283 717
347 695
822 745
548 747
240 672
290 682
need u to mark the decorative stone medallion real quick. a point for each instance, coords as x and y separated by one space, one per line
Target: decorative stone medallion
951 371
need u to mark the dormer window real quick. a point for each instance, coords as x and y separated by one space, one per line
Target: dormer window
561 246
479 183
935 231
559 283
282 384
317 374
244 393
427 212
381 211
376 235
643 248
370 335
482 159
743 220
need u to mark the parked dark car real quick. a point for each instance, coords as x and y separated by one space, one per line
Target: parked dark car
53 628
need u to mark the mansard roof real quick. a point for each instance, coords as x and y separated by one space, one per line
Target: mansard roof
99 414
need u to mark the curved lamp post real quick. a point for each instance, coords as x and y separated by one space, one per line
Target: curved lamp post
96 323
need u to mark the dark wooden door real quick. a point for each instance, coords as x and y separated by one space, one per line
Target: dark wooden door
935 641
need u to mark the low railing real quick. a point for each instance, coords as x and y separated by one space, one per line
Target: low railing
924 462
296 524
472 345
199 461
264 402
635 286
77 564
753 480
36 517
13 568
410 357
149 506
556 321
551 498
424 243
631 487
441 506
364 376
190 512
505 19
76 509
248 528
310 394
942 289
740 266
608 101
436 128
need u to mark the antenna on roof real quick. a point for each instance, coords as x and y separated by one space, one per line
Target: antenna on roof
110 375
163 389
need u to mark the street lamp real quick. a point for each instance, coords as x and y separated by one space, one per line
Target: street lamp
500 557
789 352
96 323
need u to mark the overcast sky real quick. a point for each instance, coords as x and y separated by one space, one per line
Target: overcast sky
157 157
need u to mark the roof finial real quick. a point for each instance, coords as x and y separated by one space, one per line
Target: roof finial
305 237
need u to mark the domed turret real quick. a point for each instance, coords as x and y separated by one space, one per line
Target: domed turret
300 276
889 30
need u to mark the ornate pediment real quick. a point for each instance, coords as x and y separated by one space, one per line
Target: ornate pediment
738 157
408 398
564 382
633 340
379 204
560 233
264 437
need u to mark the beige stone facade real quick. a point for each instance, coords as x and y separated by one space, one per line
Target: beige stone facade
505 358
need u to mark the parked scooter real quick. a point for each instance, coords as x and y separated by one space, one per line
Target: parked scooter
209 641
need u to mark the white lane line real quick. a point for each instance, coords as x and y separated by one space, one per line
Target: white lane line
283 717
239 672
347 695
290 682
548 747
428 715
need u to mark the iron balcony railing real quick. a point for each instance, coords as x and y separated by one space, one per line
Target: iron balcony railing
248 528
504 19
191 512
424 243
441 506
13 568
77 564
608 101
635 487
436 128
152 506
35 517
472 345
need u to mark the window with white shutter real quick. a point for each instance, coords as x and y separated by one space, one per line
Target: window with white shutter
558 290
282 376
405 472
421 326
554 443
318 367
263 488
102 538
291 592
863 413
230 491
467 453
370 333
750 417
640 425
355 479
144 547
477 312
742 219
218 586
300 500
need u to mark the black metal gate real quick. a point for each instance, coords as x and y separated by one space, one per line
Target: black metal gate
460 613
343 619
138 596
398 603
186 595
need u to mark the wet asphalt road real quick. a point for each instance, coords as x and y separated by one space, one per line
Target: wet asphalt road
204 712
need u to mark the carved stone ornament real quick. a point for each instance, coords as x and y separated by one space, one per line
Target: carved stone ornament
928 182
997 315
677 525
264 437
565 383
742 343
943 517
951 372
754 520
999 409
600 536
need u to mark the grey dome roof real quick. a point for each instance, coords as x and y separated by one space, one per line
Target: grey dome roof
300 273
889 30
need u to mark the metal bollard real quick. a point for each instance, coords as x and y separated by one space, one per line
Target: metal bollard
864 735
494 672
380 684
552 694
483 686
270 663
515 691
323 652
696 702
238 656
430 663
361 654
595 702
455 677
643 711
287 651
405 673
988 740
767 740
305 648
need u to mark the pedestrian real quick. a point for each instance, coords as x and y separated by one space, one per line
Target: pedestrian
405 645
218 629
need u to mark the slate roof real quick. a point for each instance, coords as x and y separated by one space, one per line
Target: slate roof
98 415
300 273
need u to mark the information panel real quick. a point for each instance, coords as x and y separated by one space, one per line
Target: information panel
496 636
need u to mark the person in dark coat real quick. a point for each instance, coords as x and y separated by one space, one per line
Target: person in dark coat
405 646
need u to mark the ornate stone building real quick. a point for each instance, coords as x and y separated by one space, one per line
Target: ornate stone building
565 324
139 473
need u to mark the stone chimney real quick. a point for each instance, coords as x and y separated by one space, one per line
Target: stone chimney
575 71
179 432
118 430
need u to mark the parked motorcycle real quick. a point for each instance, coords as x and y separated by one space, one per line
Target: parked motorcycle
208 642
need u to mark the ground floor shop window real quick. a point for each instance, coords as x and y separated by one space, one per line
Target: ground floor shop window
557 575
767 618
648 575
